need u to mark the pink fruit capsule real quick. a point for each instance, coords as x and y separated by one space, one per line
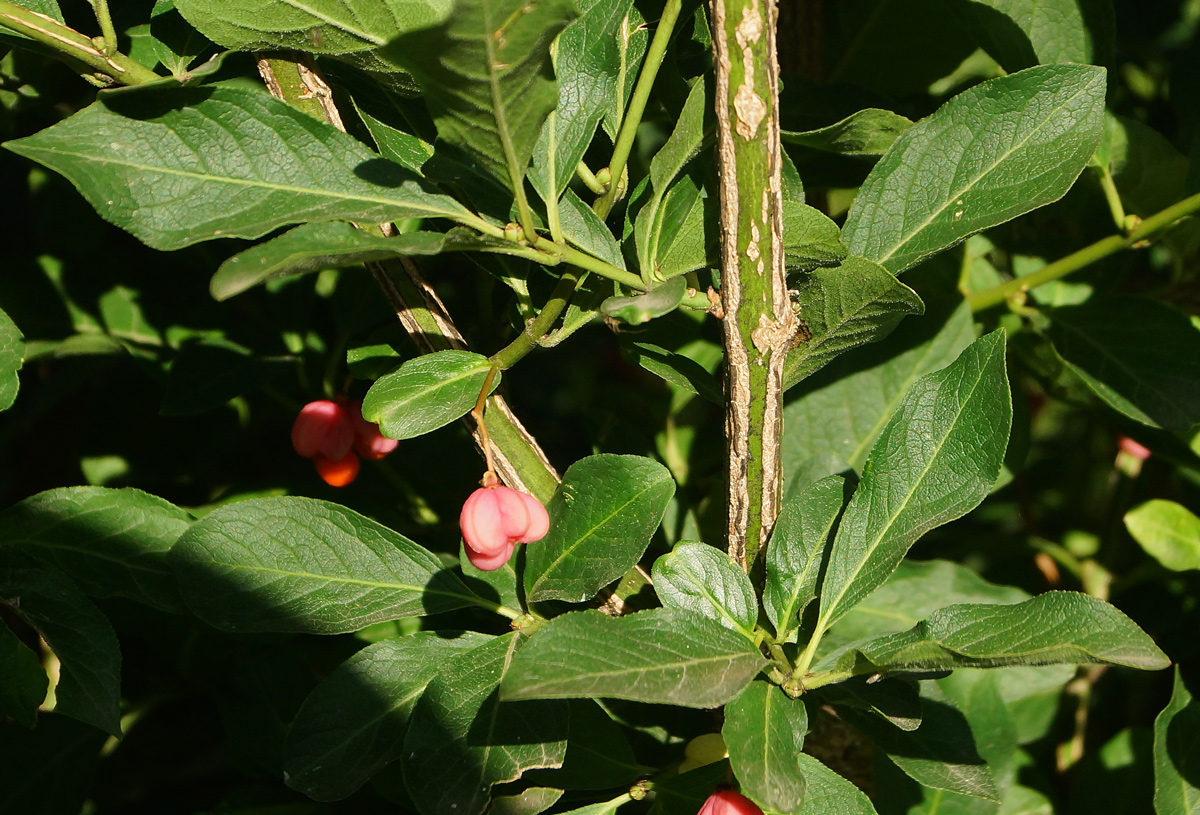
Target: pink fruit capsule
368 441
728 802
496 518
323 428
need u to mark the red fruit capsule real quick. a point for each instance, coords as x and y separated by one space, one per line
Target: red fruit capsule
338 472
323 428
368 441
728 802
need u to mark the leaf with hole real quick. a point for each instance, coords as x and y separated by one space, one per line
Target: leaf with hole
995 151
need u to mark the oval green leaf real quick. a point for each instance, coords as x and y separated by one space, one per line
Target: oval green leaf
12 357
426 393
601 519
1168 531
995 151
301 565
764 731
701 579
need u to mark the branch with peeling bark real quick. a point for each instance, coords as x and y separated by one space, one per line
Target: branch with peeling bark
758 317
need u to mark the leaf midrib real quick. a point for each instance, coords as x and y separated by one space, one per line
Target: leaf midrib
26 150
825 618
969 186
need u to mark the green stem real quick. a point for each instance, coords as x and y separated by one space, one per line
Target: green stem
637 105
589 179
759 322
583 260
1086 256
1112 196
528 339
100 8
74 47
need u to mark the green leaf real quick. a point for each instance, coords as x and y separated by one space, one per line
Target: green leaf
487 78
175 43
1140 356
764 731
12 356
1168 531
177 166
353 723
300 565
810 238
529 801
841 410
844 307
941 753
209 373
689 235
601 520
353 30
112 543
1020 33
23 680
896 699
1177 754
795 550
583 228
588 67
598 754
995 151
666 656
679 370
426 393
395 145
704 580
868 133
828 793
681 146
462 738
89 684
314 247
642 308
1054 627
1149 172
49 769
685 794
937 459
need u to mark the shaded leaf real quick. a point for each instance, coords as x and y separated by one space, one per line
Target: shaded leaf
529 801
209 373
666 655
49 769
313 247
704 580
1177 754
1054 627
427 392
810 238
841 410
353 723
1167 531
462 738
176 44
588 67
1020 33
828 793
112 543
764 731
89 683
297 564
995 151
601 520
583 228
486 75
844 307
941 753
180 165
679 370
1140 356
598 754
12 356
938 457
868 132
23 680
794 552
